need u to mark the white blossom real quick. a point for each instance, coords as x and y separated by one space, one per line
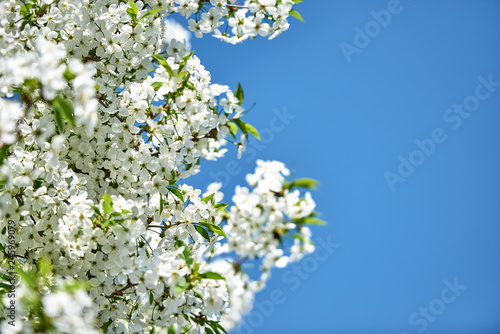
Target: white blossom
104 115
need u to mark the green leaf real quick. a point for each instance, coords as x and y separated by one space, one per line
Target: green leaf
186 254
59 121
218 230
185 82
213 327
215 229
132 11
119 214
182 64
183 74
28 277
297 1
220 206
314 221
131 14
25 9
44 267
208 330
172 180
161 204
181 287
253 131
216 326
240 124
212 275
232 129
310 221
105 326
68 75
64 108
31 85
296 14
74 285
198 294
176 192
299 237
302 183
151 12
238 93
107 206
38 183
221 328
208 198
27 20
3 153
163 62
157 85
107 223
186 57
202 231
5 277
171 330
133 6
96 209
151 298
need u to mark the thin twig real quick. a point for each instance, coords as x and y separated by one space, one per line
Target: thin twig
120 291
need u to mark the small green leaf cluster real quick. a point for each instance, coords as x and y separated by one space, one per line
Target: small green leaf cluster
132 12
107 217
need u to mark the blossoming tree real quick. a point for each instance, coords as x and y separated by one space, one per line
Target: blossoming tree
101 125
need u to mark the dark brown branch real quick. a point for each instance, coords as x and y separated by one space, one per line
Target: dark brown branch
120 291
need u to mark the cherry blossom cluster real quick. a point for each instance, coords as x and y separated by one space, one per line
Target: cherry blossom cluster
253 18
44 77
102 119
263 217
64 304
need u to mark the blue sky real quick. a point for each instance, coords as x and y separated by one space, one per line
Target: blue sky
404 136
